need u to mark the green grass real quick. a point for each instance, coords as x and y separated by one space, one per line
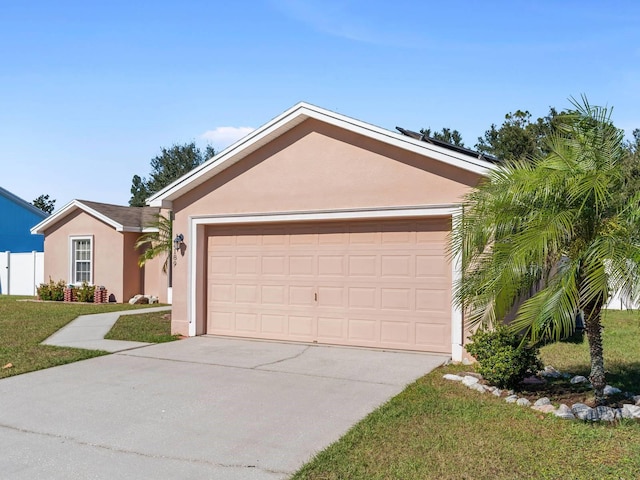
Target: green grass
24 324
144 327
621 343
437 429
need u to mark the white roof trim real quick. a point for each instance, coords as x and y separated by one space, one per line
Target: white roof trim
289 119
70 207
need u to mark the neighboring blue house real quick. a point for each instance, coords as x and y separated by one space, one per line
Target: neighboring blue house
16 219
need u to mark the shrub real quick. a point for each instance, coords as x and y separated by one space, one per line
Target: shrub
503 358
52 290
85 292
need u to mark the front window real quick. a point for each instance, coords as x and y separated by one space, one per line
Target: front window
81 260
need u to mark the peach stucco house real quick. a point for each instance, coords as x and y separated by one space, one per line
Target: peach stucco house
320 228
95 242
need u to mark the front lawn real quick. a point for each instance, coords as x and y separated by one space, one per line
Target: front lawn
24 324
437 429
152 327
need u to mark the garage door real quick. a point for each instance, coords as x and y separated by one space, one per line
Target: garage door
373 284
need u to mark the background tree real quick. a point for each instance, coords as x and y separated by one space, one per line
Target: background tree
170 165
44 203
518 138
555 227
631 167
445 135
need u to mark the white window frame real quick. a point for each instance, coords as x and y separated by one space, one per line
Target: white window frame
72 259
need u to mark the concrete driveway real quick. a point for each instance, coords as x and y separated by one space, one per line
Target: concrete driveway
200 408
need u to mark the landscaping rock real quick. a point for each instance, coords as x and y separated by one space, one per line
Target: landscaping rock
565 412
511 399
478 386
609 390
542 401
636 399
135 299
545 408
585 412
550 372
533 381
468 380
451 376
605 414
466 361
630 411
497 392
579 379
523 402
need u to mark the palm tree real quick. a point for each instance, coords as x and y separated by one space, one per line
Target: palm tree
157 242
543 241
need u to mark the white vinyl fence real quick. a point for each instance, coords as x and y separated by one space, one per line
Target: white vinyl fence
21 273
619 303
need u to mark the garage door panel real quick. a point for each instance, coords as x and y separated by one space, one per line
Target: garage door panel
331 266
361 331
302 265
302 327
221 265
432 300
246 294
432 336
222 322
378 284
332 329
397 266
274 295
274 265
362 297
301 295
398 332
398 235
246 322
247 265
432 266
273 324
396 298
221 293
363 265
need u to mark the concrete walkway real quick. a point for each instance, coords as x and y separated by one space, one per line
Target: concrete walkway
88 331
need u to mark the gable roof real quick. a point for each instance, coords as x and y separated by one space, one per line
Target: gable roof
121 218
23 203
295 116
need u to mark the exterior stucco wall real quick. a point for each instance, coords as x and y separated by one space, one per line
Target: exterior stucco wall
154 280
132 275
108 252
314 166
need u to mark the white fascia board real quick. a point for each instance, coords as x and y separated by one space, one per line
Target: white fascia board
293 117
68 208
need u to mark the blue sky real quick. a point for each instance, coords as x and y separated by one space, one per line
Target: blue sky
90 91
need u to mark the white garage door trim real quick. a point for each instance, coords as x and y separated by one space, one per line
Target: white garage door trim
355 214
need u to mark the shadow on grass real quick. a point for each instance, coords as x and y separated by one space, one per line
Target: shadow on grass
625 376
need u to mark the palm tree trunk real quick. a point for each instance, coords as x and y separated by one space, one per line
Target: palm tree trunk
593 328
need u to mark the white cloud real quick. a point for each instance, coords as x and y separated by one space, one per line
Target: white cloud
222 137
